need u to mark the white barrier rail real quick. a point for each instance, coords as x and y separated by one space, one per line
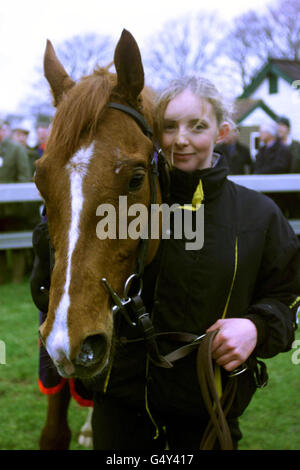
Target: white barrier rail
285 183
26 192
19 192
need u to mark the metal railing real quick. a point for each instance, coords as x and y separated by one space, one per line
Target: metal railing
26 192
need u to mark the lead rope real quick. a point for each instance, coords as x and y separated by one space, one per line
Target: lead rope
218 377
218 404
216 407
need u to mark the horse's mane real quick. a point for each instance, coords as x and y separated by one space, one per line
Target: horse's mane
79 112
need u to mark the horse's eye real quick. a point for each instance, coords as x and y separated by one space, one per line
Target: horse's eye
136 181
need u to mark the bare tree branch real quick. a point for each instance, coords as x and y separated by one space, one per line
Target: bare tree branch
79 55
188 45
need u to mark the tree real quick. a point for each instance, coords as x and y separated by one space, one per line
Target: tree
188 45
82 53
282 28
79 56
243 45
255 37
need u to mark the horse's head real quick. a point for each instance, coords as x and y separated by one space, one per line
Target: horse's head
94 155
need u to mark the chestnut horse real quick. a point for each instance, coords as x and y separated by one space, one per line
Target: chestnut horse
95 153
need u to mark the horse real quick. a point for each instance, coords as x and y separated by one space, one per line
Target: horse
100 148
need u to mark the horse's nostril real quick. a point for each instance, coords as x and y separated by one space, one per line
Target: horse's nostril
92 350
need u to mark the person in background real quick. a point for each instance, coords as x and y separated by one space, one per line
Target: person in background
20 134
14 168
273 157
42 133
6 130
236 154
284 134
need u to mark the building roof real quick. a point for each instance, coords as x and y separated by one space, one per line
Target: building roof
245 106
287 69
290 68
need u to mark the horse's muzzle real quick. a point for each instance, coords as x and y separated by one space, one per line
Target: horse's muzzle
93 351
91 359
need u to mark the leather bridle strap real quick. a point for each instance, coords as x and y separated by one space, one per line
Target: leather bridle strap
217 408
138 117
147 130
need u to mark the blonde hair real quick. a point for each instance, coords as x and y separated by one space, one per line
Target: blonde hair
202 88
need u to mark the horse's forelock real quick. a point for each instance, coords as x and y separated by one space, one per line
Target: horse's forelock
79 113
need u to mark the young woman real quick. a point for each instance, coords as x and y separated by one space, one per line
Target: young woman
243 282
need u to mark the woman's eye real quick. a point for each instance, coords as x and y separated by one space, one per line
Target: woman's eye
169 127
198 128
199 125
136 181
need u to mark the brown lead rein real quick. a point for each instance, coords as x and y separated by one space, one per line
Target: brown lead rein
217 409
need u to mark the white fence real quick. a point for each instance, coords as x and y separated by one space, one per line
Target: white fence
25 192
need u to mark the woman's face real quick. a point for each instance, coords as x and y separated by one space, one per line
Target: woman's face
190 131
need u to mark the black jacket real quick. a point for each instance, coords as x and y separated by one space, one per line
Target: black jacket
273 160
188 290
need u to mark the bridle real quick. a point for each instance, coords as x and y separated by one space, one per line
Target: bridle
131 305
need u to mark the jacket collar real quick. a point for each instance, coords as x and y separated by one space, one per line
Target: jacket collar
184 184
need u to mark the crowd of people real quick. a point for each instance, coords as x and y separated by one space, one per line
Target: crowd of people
17 166
277 153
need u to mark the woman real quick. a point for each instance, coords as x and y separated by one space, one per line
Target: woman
244 282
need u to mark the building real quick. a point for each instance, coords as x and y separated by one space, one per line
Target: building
274 92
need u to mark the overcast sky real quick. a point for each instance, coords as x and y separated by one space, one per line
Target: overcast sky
26 24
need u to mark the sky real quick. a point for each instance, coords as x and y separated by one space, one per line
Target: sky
25 26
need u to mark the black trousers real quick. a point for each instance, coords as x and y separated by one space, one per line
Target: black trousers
118 427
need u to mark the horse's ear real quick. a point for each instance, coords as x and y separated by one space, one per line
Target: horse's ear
59 81
129 67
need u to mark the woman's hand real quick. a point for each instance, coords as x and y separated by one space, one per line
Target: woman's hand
235 341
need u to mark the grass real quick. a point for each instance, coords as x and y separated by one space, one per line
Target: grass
22 406
271 422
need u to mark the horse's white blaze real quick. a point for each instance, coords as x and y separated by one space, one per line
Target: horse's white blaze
58 344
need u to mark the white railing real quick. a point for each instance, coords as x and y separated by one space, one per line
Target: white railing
269 183
25 192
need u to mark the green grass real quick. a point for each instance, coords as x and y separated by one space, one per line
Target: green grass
271 422
22 406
